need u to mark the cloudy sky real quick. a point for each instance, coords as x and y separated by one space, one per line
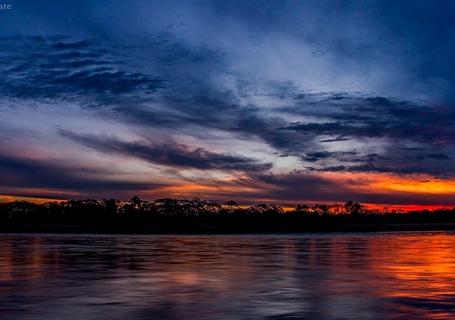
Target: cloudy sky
256 101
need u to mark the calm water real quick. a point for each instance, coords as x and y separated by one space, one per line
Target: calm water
356 276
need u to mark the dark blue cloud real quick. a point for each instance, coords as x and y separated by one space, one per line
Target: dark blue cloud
415 138
54 176
45 68
173 155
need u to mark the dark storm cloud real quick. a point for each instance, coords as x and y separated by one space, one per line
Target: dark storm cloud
419 137
174 155
58 67
377 117
316 156
115 75
350 156
433 164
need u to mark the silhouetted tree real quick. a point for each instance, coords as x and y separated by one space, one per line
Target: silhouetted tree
111 207
302 208
321 209
353 208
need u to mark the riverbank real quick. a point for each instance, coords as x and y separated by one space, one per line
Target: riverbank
223 229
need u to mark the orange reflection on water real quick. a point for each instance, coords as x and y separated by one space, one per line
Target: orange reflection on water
25 261
419 268
326 276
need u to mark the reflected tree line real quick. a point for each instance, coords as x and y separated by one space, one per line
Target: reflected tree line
187 215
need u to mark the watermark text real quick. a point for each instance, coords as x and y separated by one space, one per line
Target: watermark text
6 6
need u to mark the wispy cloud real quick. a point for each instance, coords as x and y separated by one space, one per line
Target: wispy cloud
174 155
50 178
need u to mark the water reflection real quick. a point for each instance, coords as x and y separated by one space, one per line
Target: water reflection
362 276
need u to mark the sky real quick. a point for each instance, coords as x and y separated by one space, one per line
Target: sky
280 102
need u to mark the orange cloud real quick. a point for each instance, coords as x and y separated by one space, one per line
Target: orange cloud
384 182
8 198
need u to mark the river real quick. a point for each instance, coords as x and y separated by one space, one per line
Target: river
315 276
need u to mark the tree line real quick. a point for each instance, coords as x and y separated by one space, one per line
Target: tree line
197 213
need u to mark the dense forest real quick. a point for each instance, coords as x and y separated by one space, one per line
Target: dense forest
174 215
